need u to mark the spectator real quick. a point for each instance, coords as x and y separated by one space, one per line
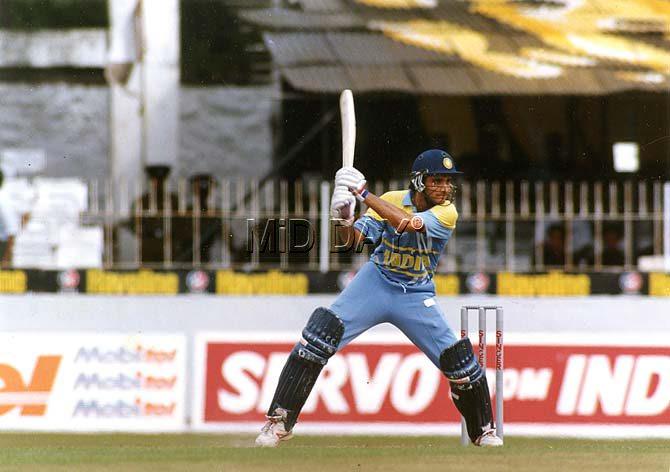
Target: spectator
8 229
209 232
152 221
612 255
553 247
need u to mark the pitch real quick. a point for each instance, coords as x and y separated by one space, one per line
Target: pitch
197 452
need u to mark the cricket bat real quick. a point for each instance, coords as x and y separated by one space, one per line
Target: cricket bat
348 117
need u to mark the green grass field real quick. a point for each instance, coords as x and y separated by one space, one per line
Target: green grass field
197 452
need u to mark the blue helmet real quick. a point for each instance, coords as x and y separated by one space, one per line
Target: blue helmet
433 161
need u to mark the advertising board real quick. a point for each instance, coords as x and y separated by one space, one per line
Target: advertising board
553 385
92 382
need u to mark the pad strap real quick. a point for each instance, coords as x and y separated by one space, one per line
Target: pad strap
459 364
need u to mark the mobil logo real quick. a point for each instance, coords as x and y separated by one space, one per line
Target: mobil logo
99 409
371 382
28 390
123 381
108 382
124 355
122 409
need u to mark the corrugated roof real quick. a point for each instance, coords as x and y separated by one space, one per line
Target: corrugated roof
348 61
299 48
380 78
499 84
459 12
317 78
464 47
500 43
608 81
625 80
322 5
578 82
282 19
366 48
332 79
446 80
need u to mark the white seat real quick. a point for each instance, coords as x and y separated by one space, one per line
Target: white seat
72 191
53 237
80 248
19 194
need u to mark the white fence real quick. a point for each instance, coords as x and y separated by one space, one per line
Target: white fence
511 226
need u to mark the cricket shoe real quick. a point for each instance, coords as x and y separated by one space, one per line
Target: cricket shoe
489 439
274 431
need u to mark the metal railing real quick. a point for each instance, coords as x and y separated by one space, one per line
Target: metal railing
511 226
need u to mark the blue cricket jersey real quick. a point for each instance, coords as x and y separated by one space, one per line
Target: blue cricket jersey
410 258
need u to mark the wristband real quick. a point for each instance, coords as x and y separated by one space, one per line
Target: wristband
361 196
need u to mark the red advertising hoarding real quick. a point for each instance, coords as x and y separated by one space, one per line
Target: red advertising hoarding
385 384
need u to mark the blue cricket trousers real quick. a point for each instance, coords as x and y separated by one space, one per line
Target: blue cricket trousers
371 298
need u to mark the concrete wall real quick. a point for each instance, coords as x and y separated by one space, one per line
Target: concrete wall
623 315
224 130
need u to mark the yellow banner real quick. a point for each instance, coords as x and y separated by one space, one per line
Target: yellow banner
142 282
543 285
270 283
447 284
13 281
659 285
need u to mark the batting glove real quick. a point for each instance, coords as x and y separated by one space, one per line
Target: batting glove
349 177
342 205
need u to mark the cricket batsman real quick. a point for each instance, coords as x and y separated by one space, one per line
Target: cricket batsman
409 228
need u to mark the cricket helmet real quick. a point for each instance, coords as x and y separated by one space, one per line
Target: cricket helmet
431 162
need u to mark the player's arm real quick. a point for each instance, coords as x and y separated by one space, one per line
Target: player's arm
437 222
352 179
401 220
346 234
